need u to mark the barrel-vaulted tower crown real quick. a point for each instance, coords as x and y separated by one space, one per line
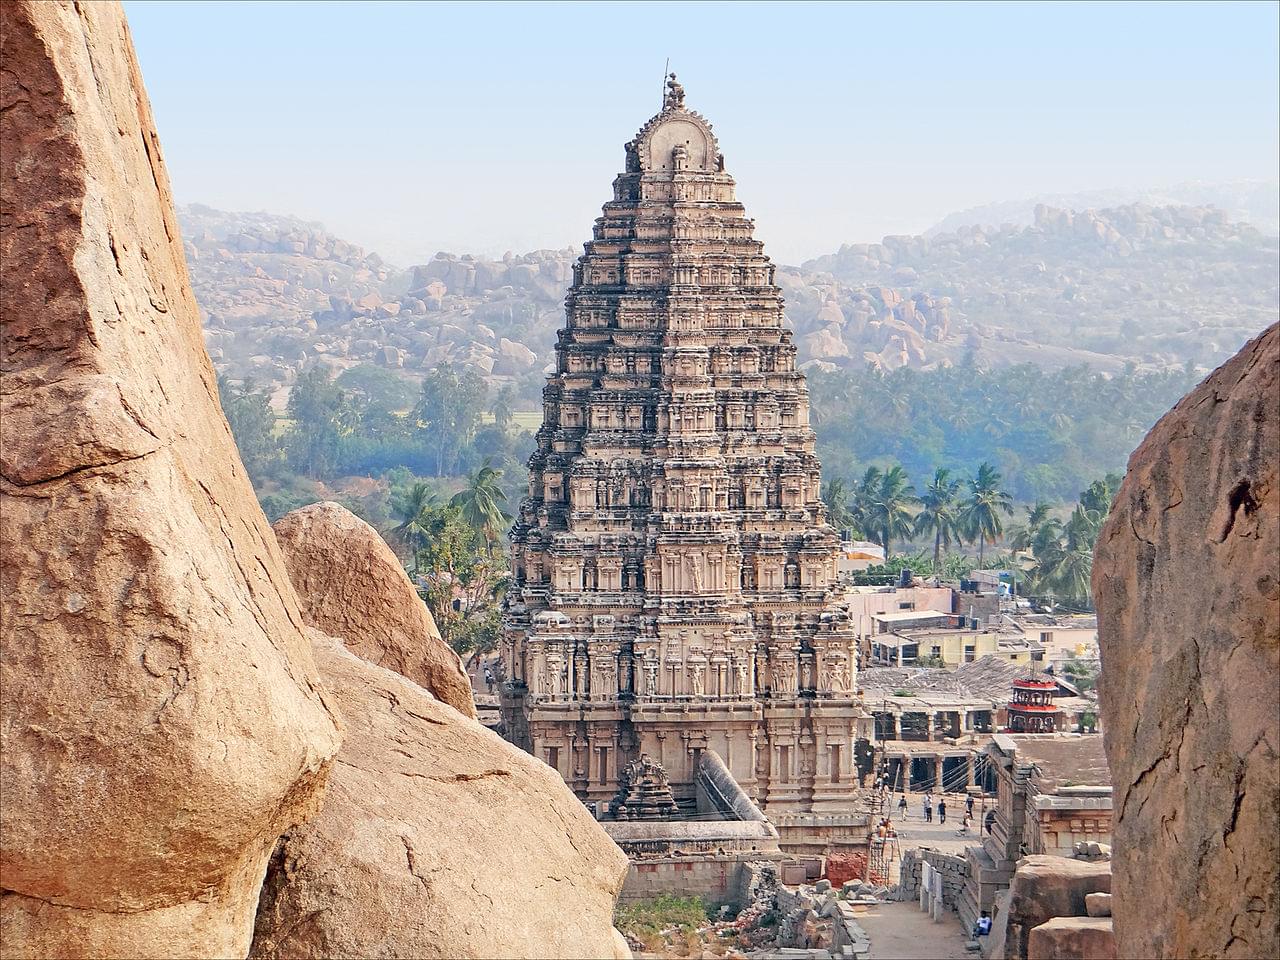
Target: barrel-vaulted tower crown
674 577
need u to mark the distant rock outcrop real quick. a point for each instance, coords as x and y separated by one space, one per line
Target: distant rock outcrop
437 839
1156 285
352 586
162 722
1186 577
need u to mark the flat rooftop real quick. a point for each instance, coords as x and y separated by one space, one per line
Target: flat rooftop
986 679
903 616
1062 760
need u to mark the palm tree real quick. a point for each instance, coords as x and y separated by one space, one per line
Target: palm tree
503 406
940 514
1039 533
861 500
981 512
481 504
411 512
836 498
890 509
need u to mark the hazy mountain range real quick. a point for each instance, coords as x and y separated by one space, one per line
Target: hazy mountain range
1255 202
1154 286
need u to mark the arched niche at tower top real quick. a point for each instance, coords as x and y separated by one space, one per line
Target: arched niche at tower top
662 135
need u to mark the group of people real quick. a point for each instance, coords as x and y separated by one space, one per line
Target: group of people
929 808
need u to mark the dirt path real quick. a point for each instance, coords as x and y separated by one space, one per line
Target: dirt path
899 931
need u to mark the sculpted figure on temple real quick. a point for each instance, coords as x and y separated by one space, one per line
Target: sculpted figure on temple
694 560
607 685
675 94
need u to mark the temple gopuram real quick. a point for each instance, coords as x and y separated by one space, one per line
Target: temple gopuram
673 569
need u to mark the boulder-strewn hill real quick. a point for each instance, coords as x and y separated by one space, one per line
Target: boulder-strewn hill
1155 286
1152 285
1255 202
279 293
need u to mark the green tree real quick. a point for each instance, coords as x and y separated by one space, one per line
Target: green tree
324 418
464 584
253 422
481 504
891 508
448 411
835 495
861 502
411 512
503 406
1024 535
981 512
940 514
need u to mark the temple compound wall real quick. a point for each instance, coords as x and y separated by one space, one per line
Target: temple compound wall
714 856
674 576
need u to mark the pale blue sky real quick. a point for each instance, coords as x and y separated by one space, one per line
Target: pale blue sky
407 127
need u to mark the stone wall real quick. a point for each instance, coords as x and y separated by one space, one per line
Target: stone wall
954 872
716 880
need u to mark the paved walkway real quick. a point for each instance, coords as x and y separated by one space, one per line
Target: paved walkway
946 837
899 931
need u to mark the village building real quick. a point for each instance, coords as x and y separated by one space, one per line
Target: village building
928 638
932 726
1065 638
675 583
1052 792
857 555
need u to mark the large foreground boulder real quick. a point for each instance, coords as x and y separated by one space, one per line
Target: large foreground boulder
162 724
352 586
1072 938
1186 577
437 839
1045 887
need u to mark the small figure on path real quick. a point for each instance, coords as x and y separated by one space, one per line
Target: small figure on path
928 811
488 679
902 806
942 810
968 805
991 818
965 823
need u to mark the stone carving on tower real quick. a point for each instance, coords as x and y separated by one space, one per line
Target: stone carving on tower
674 573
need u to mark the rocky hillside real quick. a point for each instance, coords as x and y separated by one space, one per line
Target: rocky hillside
1153 286
1255 202
278 293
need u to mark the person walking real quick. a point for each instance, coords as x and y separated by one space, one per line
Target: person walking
968 805
902 806
928 811
942 810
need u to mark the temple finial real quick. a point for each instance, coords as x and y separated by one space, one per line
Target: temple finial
674 99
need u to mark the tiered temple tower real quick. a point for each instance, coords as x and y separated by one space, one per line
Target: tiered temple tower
673 568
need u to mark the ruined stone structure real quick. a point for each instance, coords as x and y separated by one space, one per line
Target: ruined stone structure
673 570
